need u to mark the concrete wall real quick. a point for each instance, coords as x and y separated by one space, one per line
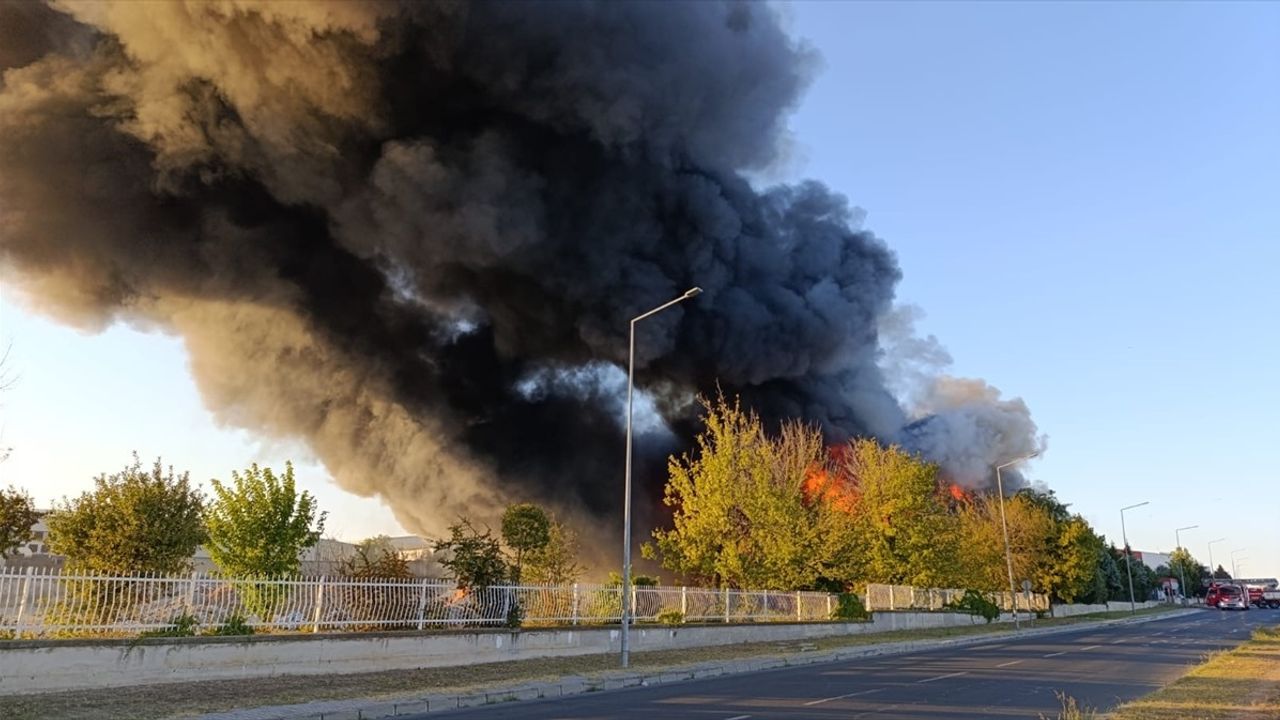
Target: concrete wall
1069 610
49 665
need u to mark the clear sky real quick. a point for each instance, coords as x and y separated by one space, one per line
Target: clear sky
1085 200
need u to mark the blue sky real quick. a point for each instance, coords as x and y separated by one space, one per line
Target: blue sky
1085 200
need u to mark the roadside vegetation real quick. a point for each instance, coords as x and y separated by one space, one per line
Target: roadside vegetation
751 507
1238 684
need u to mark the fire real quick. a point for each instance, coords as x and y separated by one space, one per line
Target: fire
831 484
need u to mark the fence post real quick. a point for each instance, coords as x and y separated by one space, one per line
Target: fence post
726 605
191 594
684 602
764 607
315 620
422 604
891 597
24 592
828 606
576 603
911 597
799 617
634 608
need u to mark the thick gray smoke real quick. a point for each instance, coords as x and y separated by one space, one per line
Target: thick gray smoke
413 234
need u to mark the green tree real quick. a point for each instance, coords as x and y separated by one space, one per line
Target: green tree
1071 575
474 557
740 517
525 528
133 521
1189 571
555 563
259 524
17 515
1221 574
905 535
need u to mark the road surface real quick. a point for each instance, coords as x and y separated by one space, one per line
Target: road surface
1100 667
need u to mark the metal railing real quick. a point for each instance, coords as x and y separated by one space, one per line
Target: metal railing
905 597
46 603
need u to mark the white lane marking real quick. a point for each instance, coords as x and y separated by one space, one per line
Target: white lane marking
841 697
943 677
1056 654
878 710
1117 642
1091 647
739 717
1011 662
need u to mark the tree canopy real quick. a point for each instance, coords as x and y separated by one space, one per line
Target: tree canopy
259 523
17 515
134 521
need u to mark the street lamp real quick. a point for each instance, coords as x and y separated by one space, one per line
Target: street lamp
1008 557
1128 554
626 502
1182 576
1213 569
1235 574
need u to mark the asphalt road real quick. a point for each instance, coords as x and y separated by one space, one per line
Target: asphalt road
1100 667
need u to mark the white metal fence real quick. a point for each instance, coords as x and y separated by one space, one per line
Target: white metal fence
36 603
904 597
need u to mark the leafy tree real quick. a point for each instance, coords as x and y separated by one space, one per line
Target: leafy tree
133 521
525 528
1221 574
740 517
555 563
905 535
376 558
474 557
1185 567
259 524
17 515
1071 575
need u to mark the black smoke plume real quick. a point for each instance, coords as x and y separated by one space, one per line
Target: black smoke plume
413 234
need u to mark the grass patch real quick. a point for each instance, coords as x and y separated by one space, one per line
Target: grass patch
1238 684
150 702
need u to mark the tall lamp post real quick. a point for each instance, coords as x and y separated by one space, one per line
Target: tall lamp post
626 502
1213 569
1182 576
1128 554
1004 526
1235 573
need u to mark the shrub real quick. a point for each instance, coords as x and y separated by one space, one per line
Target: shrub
232 625
181 626
975 603
671 616
849 607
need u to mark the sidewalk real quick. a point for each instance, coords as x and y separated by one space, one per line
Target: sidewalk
368 709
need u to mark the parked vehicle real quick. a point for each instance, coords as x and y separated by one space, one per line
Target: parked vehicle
1270 598
1213 595
1232 597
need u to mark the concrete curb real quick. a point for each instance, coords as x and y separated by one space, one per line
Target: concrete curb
369 709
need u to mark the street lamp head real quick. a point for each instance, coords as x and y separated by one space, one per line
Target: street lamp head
1137 505
691 292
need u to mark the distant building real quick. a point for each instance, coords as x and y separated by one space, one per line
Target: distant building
1152 560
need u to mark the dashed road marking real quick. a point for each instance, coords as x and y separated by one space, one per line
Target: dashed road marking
943 677
1091 647
841 697
739 717
1011 662
1064 652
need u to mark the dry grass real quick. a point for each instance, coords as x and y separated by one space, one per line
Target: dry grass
1239 684
149 702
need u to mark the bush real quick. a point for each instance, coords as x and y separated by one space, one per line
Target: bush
975 603
849 607
231 626
181 626
671 617
515 615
